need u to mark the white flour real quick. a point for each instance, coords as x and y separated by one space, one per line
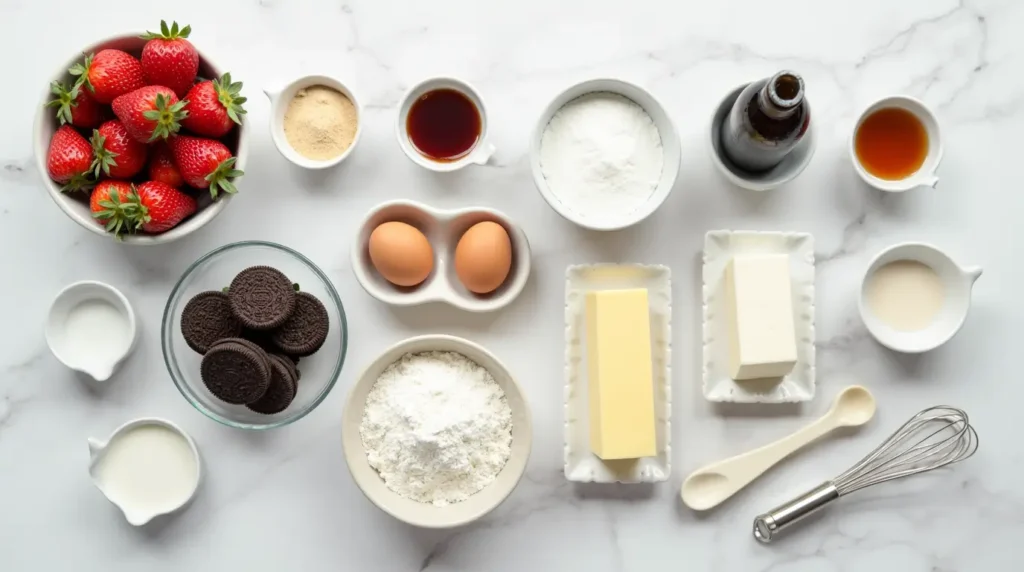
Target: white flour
601 155
437 427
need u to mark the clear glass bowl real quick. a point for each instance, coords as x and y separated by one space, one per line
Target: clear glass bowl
214 271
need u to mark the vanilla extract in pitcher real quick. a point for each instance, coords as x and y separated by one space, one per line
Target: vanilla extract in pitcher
767 121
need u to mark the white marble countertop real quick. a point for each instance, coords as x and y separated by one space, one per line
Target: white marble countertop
284 500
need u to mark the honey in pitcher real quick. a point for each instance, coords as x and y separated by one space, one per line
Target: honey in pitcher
891 143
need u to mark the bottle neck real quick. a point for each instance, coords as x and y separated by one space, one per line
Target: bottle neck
782 95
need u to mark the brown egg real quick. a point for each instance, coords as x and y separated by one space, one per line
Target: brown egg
483 257
401 253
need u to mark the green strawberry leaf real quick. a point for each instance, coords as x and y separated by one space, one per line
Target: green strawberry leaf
168 33
79 182
64 102
103 158
167 117
220 178
229 95
82 71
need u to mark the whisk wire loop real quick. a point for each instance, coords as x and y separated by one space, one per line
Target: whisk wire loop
935 437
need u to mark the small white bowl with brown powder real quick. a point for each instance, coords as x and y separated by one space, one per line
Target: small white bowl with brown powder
315 121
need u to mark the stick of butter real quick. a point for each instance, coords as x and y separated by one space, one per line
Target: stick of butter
621 391
759 300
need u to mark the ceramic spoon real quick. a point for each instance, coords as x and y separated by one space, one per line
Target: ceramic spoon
709 486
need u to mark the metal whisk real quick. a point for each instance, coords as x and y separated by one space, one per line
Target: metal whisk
935 437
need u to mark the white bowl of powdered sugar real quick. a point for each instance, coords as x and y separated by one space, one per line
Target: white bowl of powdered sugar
605 154
436 431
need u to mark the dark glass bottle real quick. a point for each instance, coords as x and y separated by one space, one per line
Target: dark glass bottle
769 118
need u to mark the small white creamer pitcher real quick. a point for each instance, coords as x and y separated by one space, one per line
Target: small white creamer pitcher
925 174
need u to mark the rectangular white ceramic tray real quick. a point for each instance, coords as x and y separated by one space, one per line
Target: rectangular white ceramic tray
581 465
719 247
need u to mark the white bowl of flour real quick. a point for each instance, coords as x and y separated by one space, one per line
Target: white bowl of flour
605 154
436 432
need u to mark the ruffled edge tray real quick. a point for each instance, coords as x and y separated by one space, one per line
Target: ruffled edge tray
581 465
719 247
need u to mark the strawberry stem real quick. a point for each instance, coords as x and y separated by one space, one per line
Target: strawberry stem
230 96
104 158
138 215
79 182
118 216
82 71
167 117
65 100
220 178
172 33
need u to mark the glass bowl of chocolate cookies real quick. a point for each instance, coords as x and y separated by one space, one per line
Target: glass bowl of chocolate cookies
254 335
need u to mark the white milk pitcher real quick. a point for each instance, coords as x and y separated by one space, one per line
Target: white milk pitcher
91 328
147 468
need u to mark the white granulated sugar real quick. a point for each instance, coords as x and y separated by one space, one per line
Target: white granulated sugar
437 427
601 155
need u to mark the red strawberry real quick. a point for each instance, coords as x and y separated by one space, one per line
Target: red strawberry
169 59
205 163
150 113
162 167
75 106
117 154
115 205
214 106
109 74
69 159
163 206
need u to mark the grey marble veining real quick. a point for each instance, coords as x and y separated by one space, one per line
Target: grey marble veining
284 500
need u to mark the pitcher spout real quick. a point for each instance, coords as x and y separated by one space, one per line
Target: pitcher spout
137 518
482 154
272 94
95 447
972 273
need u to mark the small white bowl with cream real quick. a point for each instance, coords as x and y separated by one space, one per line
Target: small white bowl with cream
605 154
91 328
147 468
315 121
914 298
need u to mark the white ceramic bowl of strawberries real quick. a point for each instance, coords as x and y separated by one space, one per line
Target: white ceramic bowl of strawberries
164 144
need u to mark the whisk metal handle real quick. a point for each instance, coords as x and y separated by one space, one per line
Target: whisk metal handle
780 517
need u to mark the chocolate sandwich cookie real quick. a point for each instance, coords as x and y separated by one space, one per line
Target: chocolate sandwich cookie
282 388
236 371
289 364
207 318
262 297
262 338
265 340
306 330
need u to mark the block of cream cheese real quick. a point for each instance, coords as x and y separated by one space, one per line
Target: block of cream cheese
759 301
621 391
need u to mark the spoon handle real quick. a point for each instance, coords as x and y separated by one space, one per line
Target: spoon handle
741 470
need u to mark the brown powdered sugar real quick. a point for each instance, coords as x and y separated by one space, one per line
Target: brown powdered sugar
320 122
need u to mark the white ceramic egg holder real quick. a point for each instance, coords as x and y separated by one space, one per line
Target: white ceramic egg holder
581 464
443 229
720 247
